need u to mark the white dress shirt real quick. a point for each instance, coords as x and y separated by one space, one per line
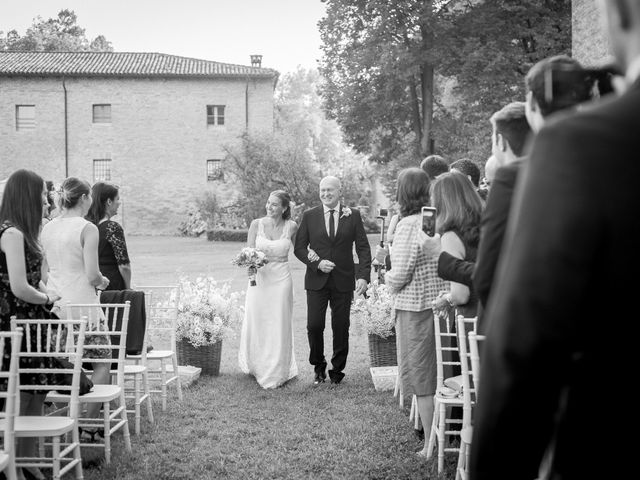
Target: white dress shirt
336 215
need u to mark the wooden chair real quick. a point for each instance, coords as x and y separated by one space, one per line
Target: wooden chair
465 327
474 354
443 399
162 360
9 377
60 343
136 376
116 316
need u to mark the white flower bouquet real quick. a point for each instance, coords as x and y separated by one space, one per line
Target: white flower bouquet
375 312
253 259
207 312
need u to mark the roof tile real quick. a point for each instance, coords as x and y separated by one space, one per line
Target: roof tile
121 64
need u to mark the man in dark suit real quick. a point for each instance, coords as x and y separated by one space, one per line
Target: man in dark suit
561 313
510 133
330 231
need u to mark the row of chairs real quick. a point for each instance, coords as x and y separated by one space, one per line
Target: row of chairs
58 428
457 348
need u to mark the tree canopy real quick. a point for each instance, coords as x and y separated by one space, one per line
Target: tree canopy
400 74
61 33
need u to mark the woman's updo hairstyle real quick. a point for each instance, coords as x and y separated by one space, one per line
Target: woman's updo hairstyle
71 192
285 201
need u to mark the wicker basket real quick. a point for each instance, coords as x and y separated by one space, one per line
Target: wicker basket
206 357
382 351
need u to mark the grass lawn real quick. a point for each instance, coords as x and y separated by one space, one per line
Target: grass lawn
229 427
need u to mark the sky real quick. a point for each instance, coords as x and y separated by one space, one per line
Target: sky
284 32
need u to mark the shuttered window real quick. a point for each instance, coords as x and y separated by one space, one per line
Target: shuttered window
102 113
25 117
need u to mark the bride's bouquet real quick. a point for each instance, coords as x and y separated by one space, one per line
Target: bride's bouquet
253 259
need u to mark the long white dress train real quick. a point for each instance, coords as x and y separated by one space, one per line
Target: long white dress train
266 339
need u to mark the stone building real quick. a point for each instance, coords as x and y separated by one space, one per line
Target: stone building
590 45
154 124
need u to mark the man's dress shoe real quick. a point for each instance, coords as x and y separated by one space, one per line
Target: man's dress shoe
319 378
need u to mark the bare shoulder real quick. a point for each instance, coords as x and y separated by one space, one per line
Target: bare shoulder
452 244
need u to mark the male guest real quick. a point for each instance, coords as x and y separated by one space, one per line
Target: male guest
330 231
562 323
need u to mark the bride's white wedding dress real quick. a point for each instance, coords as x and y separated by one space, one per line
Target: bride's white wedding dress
266 340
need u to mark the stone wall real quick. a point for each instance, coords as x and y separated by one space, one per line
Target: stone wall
590 44
158 139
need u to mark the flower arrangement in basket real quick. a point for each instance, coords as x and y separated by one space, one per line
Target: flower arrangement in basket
375 312
207 312
253 259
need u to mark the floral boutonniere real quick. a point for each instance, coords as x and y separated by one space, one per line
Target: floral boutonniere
346 211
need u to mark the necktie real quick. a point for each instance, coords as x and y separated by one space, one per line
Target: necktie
332 225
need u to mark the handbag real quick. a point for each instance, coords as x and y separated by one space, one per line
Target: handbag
86 385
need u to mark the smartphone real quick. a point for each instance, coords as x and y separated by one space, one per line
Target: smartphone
429 221
383 212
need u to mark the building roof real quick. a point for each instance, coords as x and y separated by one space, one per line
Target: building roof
121 64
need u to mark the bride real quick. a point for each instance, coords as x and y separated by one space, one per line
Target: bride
266 340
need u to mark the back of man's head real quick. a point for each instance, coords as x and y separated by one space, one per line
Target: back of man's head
511 122
559 82
434 165
469 168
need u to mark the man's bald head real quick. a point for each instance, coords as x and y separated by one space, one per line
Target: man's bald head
330 190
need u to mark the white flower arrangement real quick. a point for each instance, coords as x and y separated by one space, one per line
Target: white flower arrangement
375 313
346 211
207 312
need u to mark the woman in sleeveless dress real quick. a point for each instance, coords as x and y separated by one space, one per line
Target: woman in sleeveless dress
70 246
266 340
21 291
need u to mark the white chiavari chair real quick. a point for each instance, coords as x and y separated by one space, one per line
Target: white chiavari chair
52 339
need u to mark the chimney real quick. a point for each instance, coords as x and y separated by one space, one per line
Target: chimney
256 61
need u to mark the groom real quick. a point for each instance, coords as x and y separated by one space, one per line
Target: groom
330 231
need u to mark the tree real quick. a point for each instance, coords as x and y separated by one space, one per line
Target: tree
389 65
379 73
55 34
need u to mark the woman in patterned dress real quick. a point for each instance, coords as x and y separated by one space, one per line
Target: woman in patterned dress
113 257
24 203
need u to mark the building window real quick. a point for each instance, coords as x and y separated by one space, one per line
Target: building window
214 170
215 114
102 170
25 117
102 113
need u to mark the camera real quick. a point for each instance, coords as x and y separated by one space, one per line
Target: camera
383 212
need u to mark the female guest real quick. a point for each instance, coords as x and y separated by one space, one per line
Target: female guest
113 257
414 280
24 204
266 341
71 249
458 208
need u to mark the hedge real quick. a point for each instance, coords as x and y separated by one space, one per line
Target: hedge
227 235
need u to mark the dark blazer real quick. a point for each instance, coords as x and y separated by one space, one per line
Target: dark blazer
455 270
137 316
312 233
492 229
563 326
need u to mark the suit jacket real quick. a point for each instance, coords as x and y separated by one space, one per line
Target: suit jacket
562 327
455 270
312 233
492 229
137 316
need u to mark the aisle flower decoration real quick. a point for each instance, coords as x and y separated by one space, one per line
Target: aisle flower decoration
253 259
375 312
208 312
